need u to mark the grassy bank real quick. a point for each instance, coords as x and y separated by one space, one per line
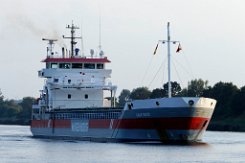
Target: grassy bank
229 124
14 121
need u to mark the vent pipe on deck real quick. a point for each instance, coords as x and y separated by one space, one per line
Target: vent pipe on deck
63 52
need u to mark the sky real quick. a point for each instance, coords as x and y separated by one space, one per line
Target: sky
211 33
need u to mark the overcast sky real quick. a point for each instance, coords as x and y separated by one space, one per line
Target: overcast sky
212 35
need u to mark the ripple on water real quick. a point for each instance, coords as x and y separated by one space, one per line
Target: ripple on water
17 145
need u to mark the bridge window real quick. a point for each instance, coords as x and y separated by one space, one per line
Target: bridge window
77 65
64 65
69 96
100 66
54 65
89 65
56 80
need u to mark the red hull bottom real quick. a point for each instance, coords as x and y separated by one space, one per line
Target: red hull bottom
120 130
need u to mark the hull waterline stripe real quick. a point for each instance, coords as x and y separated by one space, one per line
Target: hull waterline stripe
181 123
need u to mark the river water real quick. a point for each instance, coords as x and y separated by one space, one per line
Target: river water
17 145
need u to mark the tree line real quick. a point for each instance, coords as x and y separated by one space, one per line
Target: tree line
229 113
15 112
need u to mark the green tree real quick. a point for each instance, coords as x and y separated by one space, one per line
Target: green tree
26 108
123 96
224 94
158 93
15 112
175 89
140 93
238 102
1 96
196 87
184 92
9 109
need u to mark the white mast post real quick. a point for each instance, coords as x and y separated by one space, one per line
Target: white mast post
169 64
82 45
169 41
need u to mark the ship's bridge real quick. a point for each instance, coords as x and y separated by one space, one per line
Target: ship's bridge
76 71
76 63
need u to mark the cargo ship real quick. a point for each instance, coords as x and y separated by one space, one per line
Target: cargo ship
78 102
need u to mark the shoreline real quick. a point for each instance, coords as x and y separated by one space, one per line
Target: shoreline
224 126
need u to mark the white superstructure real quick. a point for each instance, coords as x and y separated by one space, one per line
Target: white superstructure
74 81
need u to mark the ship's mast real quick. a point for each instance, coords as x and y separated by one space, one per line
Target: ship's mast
169 64
169 41
73 38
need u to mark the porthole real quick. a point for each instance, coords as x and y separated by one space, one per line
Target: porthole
129 107
157 103
191 102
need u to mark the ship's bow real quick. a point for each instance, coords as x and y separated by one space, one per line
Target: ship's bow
181 119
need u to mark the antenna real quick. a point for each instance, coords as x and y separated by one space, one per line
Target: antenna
73 38
50 45
100 33
101 53
82 45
